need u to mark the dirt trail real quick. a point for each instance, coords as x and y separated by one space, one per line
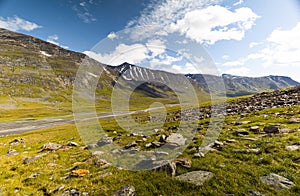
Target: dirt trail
8 128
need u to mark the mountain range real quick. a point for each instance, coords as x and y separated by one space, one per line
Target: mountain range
34 68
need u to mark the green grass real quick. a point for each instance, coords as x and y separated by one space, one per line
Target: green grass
235 172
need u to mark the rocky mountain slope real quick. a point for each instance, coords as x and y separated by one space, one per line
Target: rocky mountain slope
239 86
33 68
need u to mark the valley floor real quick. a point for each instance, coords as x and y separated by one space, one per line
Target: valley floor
246 159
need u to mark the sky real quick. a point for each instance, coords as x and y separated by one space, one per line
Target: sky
238 37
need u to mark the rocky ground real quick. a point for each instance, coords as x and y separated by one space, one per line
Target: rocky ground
257 153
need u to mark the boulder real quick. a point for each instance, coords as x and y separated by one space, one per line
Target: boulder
184 162
168 167
271 129
241 133
292 147
104 141
131 145
51 147
255 129
196 177
165 166
72 144
176 138
102 163
276 181
12 152
127 190
254 193
155 144
294 120
287 130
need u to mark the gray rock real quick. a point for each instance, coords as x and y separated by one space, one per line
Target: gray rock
196 177
72 144
127 190
104 141
287 130
250 139
218 145
292 147
102 163
12 152
255 129
254 193
199 155
16 141
27 160
72 192
231 141
59 188
251 150
51 147
166 166
271 129
176 138
161 153
34 175
97 154
91 146
162 138
148 145
294 120
241 133
156 144
131 145
276 181
184 162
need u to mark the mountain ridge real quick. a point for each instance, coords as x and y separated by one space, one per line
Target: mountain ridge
26 63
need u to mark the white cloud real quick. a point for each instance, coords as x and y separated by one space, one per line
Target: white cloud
53 39
83 4
215 23
168 11
239 71
225 57
83 11
156 46
283 48
159 15
188 68
133 54
112 35
154 51
280 55
202 21
164 60
234 63
286 39
253 44
15 24
199 59
238 3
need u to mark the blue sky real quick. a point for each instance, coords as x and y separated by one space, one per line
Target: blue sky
242 37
